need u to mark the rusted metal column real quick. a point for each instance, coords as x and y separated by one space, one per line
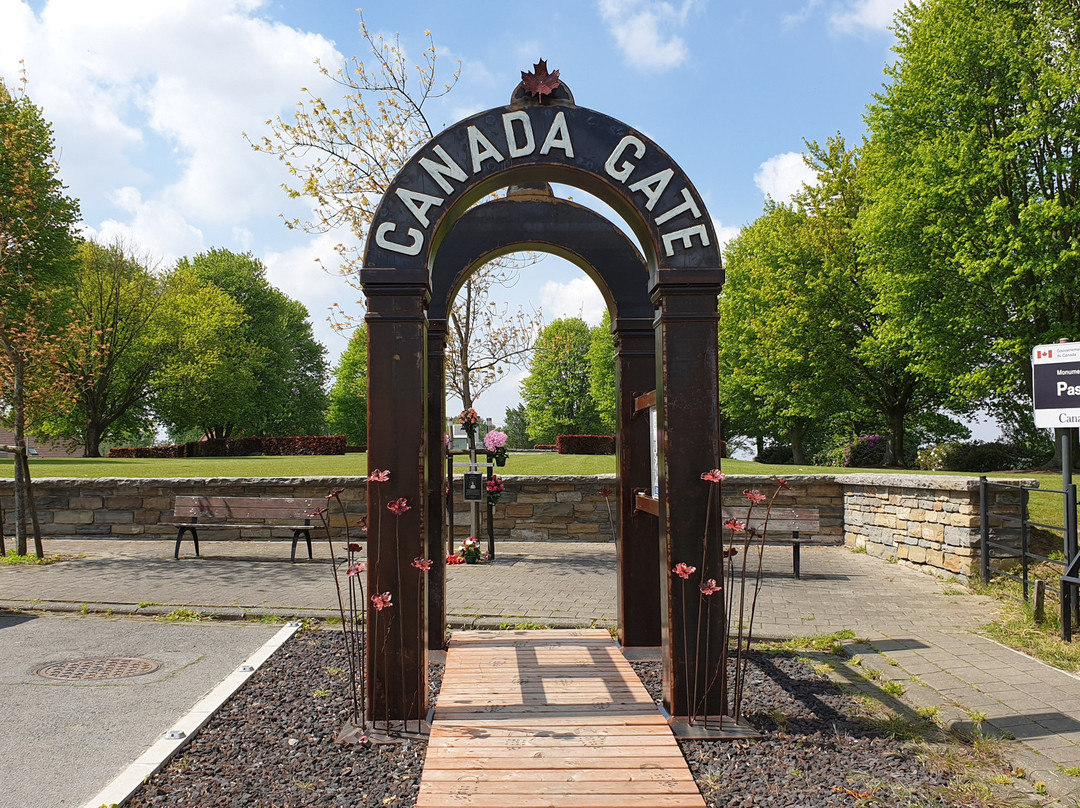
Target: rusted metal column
688 421
638 541
436 427
397 441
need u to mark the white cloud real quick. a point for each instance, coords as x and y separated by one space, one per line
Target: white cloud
642 30
577 297
149 102
782 176
865 15
802 15
308 272
724 233
151 226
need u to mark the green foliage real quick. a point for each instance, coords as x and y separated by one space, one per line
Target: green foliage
517 429
771 374
804 347
972 181
347 413
556 392
206 381
602 374
253 367
113 348
37 221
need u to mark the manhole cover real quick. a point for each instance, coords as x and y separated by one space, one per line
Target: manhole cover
97 669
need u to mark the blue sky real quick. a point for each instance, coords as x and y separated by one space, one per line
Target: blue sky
149 101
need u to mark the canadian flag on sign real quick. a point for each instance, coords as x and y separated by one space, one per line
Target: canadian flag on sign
1048 354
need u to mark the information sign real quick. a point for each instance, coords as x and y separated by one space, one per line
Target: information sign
1055 388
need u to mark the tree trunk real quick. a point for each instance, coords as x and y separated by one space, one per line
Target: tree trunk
38 551
22 488
92 441
894 439
795 435
759 442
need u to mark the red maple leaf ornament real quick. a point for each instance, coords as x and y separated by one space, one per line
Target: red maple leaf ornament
540 82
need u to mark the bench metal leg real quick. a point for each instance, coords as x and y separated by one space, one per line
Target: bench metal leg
796 562
180 537
295 538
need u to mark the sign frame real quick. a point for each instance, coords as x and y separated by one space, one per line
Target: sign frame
1055 385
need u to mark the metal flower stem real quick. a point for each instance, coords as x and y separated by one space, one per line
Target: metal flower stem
761 553
697 638
737 706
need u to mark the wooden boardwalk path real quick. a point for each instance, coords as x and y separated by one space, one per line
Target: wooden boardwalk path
546 719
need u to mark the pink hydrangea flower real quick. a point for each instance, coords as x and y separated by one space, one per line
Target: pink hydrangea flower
421 563
683 570
380 602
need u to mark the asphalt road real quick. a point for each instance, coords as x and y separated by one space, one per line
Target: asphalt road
61 742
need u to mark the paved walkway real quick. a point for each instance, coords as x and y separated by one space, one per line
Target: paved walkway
917 630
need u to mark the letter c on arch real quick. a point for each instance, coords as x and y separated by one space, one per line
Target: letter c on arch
383 240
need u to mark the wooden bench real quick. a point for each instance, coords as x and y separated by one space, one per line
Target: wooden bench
796 521
283 513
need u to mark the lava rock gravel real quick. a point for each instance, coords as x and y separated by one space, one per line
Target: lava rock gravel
271 745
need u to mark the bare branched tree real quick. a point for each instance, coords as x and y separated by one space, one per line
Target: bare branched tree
344 153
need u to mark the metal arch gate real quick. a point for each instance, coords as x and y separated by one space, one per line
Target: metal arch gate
540 140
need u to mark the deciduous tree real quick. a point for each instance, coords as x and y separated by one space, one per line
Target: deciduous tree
973 176
556 391
343 153
347 414
37 220
113 348
602 374
274 352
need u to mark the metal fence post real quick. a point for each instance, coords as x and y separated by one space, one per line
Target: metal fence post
1024 539
984 531
1071 546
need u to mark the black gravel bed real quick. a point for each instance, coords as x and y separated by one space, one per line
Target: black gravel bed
820 746
271 745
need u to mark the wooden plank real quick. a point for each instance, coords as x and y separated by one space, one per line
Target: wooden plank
549 719
246 507
556 788
555 801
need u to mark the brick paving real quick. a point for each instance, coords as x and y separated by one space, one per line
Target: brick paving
916 630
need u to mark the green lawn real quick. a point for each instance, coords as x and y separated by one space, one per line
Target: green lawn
531 463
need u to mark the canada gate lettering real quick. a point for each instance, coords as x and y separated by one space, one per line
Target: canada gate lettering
578 139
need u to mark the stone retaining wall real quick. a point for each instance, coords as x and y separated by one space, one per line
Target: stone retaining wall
928 522
136 508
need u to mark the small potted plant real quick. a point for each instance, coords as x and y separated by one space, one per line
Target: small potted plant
495 443
470 550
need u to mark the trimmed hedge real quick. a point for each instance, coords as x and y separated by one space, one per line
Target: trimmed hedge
585 444
241 447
